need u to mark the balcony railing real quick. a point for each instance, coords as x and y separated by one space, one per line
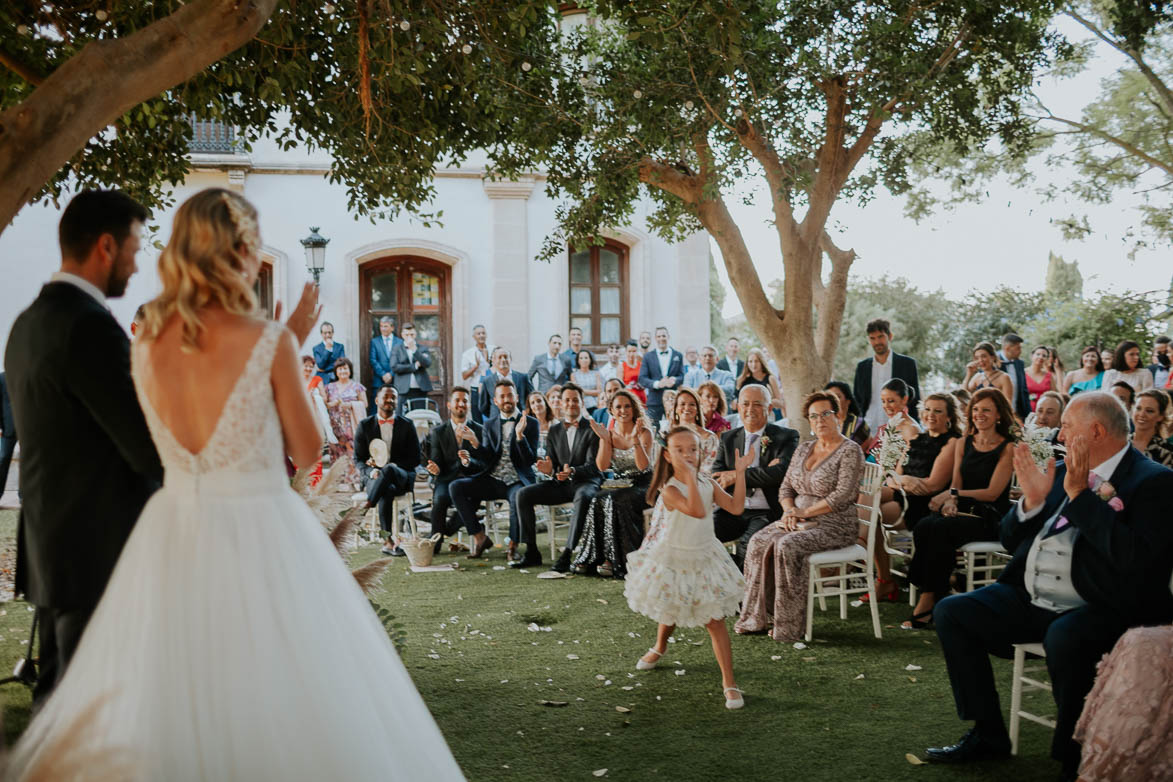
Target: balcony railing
211 137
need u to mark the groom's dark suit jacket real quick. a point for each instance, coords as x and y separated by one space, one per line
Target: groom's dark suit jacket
1121 559
87 462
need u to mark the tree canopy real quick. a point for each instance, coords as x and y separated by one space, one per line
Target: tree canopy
391 89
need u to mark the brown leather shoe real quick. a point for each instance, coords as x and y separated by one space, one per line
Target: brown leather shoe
478 550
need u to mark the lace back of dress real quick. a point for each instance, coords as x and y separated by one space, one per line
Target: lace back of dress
246 437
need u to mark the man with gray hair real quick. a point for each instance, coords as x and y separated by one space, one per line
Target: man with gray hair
1092 550
707 370
772 447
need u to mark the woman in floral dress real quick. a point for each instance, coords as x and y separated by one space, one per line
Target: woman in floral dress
345 397
818 498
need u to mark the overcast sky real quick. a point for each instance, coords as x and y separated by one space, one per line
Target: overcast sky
1005 240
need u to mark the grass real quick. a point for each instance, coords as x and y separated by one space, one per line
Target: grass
807 717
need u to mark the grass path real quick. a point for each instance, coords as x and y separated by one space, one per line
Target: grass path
808 716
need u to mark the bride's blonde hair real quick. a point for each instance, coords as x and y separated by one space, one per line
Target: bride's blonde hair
213 237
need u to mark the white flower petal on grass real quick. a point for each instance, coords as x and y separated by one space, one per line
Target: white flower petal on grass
599 772
600 676
799 645
498 567
856 603
505 681
601 600
628 689
860 676
434 656
775 657
911 667
622 709
607 683
913 759
532 627
572 657
679 671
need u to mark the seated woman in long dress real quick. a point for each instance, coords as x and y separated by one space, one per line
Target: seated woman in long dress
973 506
614 524
818 498
904 501
1128 716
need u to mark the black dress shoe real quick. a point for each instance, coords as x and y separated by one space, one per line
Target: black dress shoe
398 552
972 748
531 559
563 563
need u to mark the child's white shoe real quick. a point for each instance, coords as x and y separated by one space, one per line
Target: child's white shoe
736 702
643 665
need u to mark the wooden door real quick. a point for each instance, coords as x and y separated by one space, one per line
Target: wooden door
414 290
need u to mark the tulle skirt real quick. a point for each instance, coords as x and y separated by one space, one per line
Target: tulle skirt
232 643
686 586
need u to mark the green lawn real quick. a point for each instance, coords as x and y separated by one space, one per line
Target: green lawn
808 715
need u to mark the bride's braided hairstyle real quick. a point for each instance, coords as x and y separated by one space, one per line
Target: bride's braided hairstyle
210 259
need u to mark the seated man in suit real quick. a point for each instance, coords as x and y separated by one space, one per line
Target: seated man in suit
409 364
661 369
772 446
571 446
550 368
327 352
380 355
452 451
502 361
506 466
1092 547
397 477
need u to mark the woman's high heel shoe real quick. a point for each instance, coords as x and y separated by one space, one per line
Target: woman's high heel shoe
890 597
643 665
919 621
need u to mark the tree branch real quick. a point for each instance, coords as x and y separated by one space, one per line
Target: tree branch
24 71
688 188
106 79
832 298
830 161
1163 91
779 179
1131 149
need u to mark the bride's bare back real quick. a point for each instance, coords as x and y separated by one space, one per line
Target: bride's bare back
189 390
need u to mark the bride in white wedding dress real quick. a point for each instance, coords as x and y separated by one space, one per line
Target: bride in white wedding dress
232 642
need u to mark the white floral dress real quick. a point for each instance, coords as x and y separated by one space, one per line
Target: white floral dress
684 576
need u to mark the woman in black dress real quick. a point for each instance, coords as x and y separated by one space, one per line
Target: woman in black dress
851 423
972 508
614 524
904 500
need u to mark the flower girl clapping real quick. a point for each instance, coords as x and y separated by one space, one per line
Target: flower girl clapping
684 576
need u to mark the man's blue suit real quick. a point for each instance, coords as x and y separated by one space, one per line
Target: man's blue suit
1120 565
649 373
324 359
380 360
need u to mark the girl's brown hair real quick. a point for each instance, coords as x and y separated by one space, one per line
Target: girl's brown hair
529 410
664 472
952 411
637 410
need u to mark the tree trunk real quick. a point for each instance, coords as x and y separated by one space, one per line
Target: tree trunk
105 80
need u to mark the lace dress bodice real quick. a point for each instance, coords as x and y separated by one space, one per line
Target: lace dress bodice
623 461
247 437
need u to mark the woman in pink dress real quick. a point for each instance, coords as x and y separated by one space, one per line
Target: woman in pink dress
1039 378
1128 717
346 399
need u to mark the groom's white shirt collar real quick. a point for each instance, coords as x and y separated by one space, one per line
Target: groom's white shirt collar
82 284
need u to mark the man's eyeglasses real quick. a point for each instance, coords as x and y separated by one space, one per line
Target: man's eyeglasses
814 417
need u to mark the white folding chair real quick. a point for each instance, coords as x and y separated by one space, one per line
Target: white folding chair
496 514
401 510
984 560
854 561
556 517
1026 683
425 421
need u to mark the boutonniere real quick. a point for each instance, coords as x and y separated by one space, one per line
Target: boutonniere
1106 492
765 442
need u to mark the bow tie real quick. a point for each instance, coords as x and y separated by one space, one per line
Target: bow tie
512 420
570 425
386 421
663 352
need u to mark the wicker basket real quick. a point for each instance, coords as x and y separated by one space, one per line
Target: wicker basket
419 550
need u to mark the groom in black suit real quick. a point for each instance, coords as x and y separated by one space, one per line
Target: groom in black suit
397 477
87 463
1088 564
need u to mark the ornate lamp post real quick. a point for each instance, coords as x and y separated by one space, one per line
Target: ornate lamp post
315 252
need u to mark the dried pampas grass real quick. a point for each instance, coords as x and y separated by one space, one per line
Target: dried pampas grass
370 576
342 534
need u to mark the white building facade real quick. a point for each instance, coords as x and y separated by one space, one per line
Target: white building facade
478 267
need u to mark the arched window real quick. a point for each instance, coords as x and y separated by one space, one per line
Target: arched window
598 294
